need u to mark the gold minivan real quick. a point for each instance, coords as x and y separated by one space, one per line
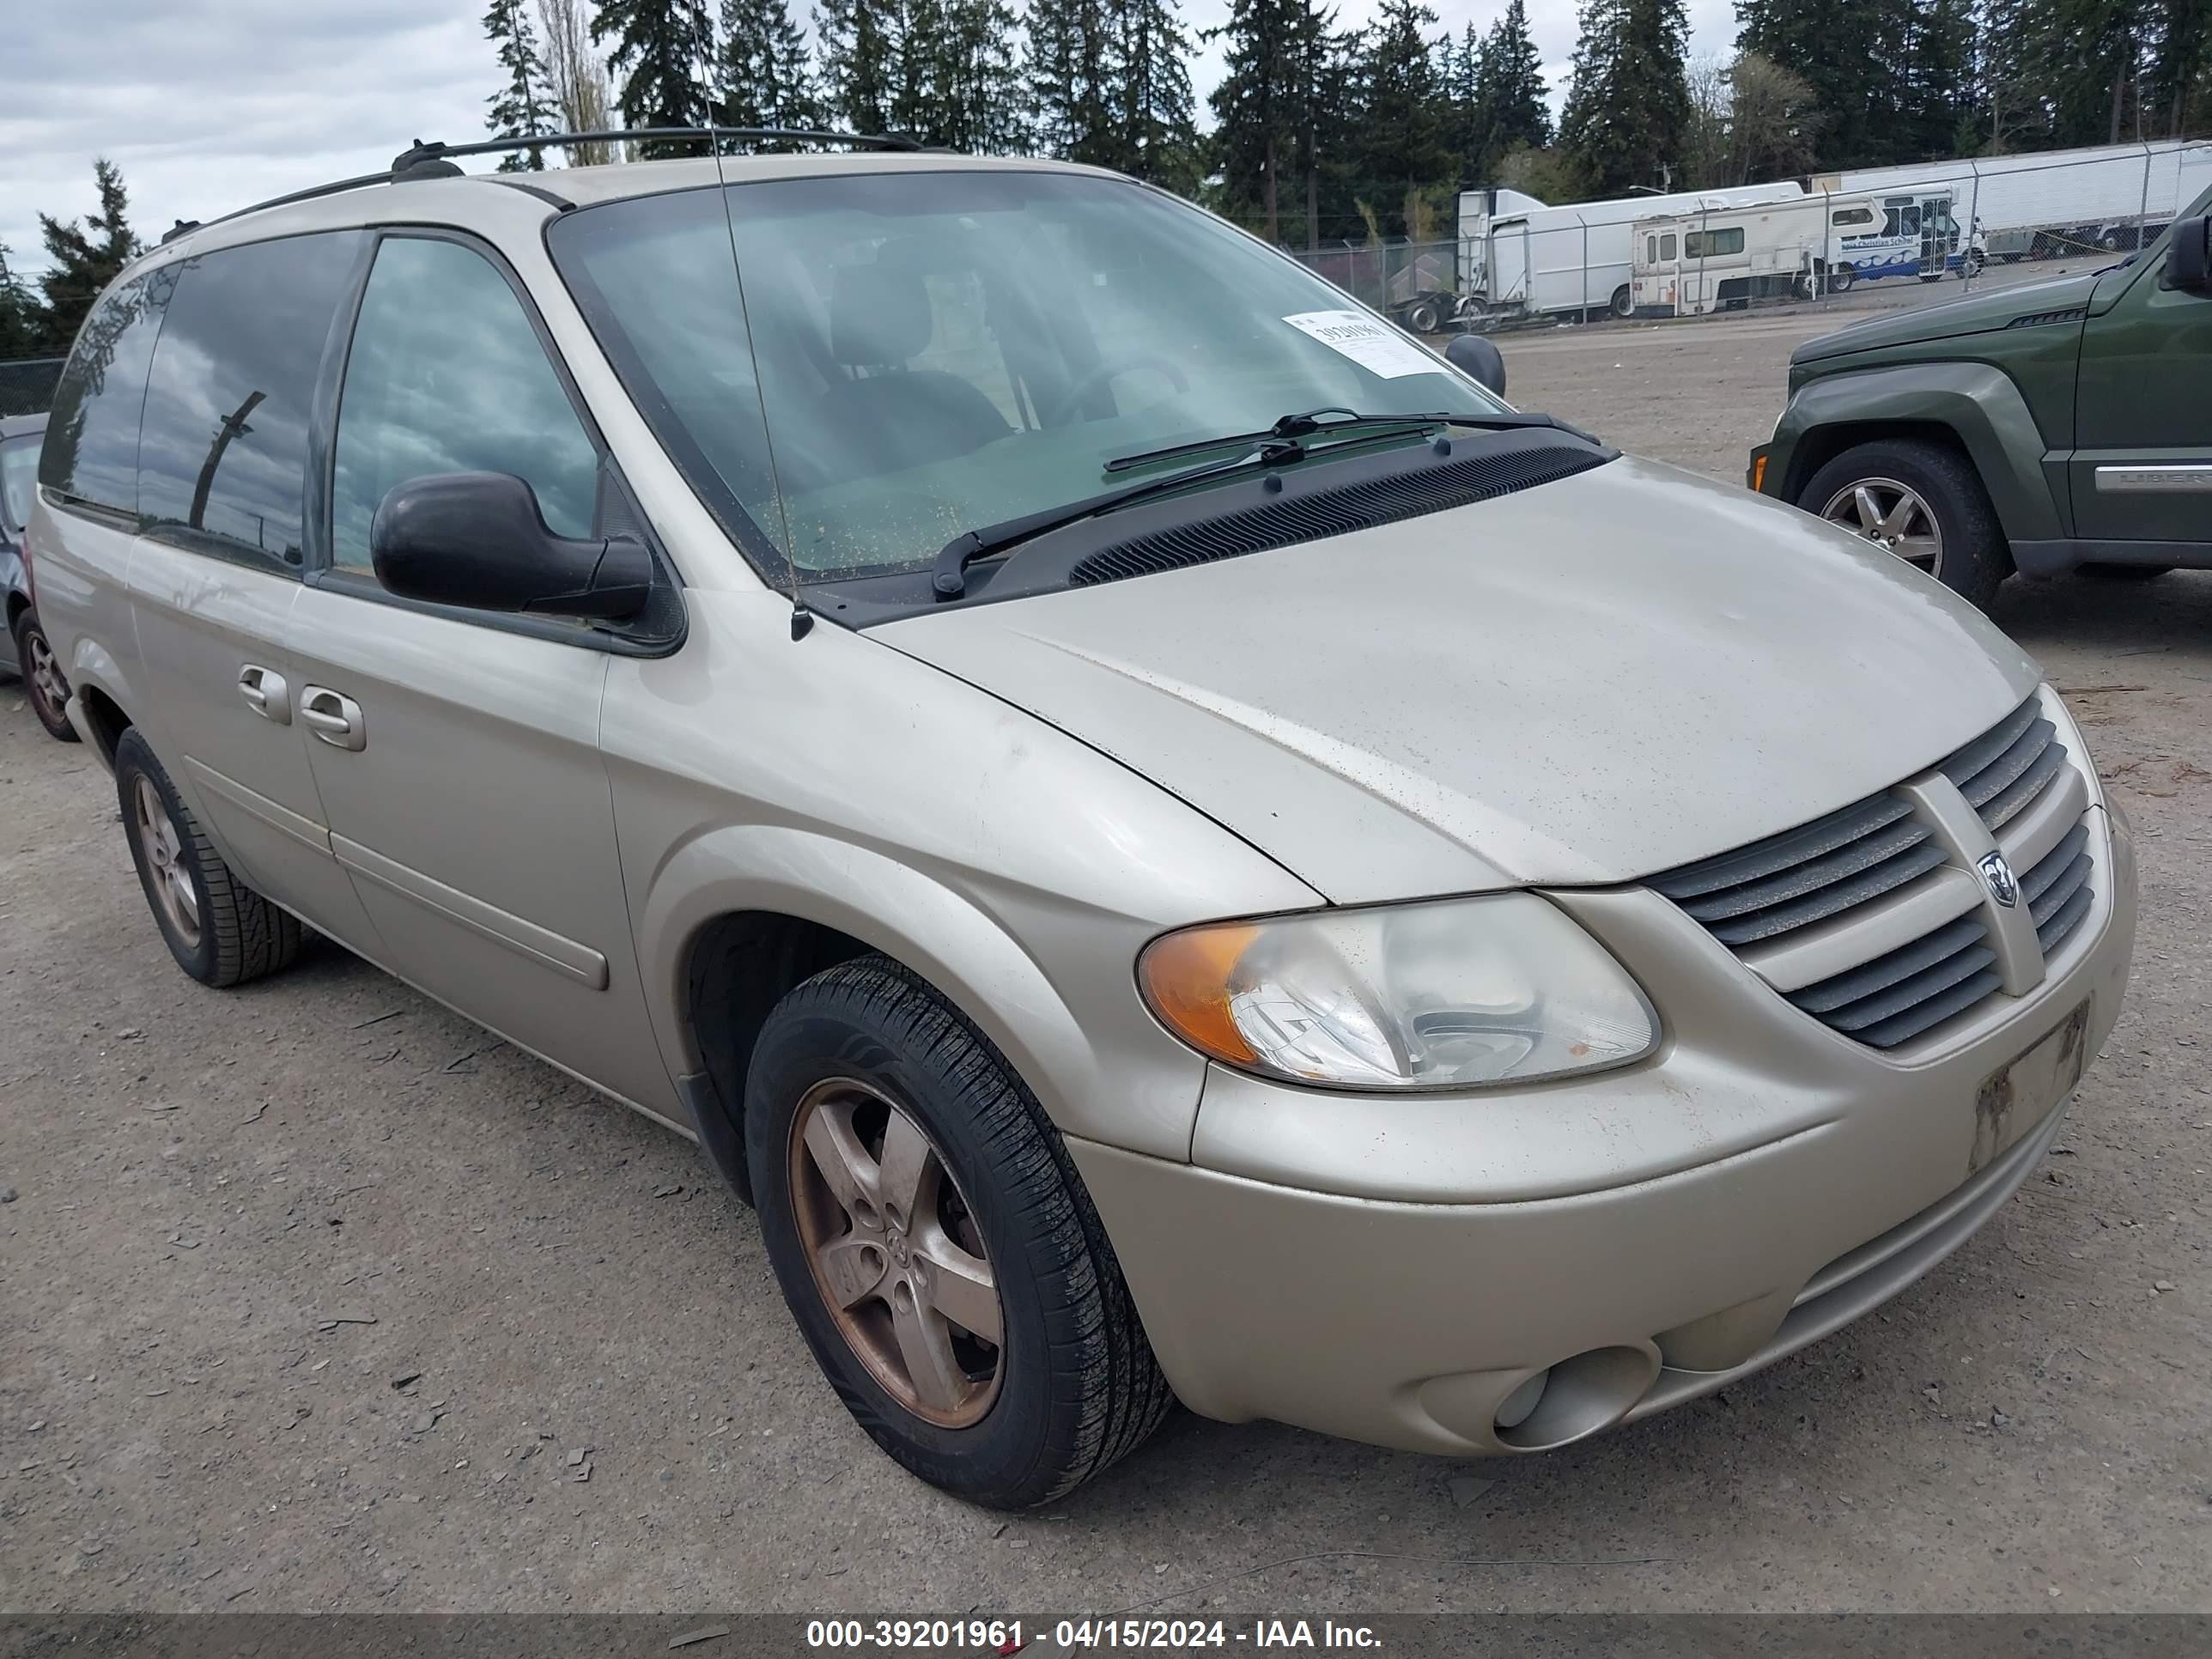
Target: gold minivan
1171 843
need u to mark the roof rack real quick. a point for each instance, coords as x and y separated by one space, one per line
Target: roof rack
434 160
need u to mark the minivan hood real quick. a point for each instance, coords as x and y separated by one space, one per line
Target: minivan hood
1976 314
1584 682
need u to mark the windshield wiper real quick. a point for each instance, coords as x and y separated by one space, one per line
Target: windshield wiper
1310 424
949 579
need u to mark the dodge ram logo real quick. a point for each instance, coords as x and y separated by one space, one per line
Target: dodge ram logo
1998 876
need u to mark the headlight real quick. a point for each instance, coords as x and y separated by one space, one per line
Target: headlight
1448 996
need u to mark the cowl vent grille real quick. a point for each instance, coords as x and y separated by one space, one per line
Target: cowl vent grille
1310 515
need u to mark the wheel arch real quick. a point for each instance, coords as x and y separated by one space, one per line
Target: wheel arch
1970 407
738 916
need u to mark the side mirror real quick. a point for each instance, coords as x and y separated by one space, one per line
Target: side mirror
478 539
1479 359
2189 256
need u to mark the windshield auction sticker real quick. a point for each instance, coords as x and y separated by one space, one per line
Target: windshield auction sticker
1373 345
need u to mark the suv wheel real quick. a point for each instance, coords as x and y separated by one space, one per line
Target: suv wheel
1920 502
43 678
937 1246
219 930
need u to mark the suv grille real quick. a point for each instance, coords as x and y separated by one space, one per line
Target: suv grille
1862 919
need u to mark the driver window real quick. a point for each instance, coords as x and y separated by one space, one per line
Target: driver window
446 374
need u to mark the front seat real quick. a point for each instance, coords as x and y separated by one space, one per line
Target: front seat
892 417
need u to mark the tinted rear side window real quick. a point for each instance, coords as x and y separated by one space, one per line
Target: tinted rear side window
223 459
92 435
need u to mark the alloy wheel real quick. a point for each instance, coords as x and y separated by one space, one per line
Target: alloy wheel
172 878
896 1253
47 685
1893 517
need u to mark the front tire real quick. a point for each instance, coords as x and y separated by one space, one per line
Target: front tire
936 1245
42 679
1924 503
219 930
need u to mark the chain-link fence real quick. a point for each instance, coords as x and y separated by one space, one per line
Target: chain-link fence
1867 239
26 385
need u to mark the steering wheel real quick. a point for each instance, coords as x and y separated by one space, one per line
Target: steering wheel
1071 399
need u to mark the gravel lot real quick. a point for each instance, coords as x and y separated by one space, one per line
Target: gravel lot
235 1221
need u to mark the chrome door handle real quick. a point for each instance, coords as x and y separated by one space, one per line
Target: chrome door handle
336 720
265 693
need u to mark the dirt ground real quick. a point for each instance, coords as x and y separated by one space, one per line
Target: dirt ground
311 1294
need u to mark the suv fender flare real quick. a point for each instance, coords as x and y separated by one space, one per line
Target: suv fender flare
1977 404
940 935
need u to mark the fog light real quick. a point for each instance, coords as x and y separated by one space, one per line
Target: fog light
1522 1401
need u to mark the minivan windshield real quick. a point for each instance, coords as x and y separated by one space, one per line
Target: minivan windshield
897 358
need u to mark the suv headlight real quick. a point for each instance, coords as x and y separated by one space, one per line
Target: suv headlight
1451 994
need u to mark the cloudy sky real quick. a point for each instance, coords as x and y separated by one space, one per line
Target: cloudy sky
209 104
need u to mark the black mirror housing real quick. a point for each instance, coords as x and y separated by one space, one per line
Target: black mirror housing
1478 358
478 540
2189 256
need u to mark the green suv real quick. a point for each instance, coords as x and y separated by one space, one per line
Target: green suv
2060 426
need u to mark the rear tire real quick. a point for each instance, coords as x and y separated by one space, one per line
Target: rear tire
1624 302
1070 1384
219 930
1971 558
42 679
1841 278
1425 317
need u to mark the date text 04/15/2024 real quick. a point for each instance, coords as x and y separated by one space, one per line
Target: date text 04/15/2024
1008 1636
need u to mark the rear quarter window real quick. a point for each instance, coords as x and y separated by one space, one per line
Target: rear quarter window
19 476
223 456
91 453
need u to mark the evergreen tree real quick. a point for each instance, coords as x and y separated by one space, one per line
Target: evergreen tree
1075 81
663 50
22 325
957 83
83 259
1459 72
1941 82
1629 106
1516 104
523 108
1400 134
2179 64
1266 105
1159 132
764 76
859 64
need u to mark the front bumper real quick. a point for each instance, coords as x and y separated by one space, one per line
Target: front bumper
1394 1269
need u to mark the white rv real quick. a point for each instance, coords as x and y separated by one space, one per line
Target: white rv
1689 264
1518 254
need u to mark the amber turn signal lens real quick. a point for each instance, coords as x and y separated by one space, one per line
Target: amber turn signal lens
1758 474
1186 977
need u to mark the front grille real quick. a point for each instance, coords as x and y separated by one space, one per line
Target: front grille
1862 918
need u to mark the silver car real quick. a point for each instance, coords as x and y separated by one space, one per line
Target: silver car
1173 845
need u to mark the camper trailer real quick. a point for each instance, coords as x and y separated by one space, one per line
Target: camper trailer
1516 254
1689 264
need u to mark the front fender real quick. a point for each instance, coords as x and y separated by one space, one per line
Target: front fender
1978 403
1113 1075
